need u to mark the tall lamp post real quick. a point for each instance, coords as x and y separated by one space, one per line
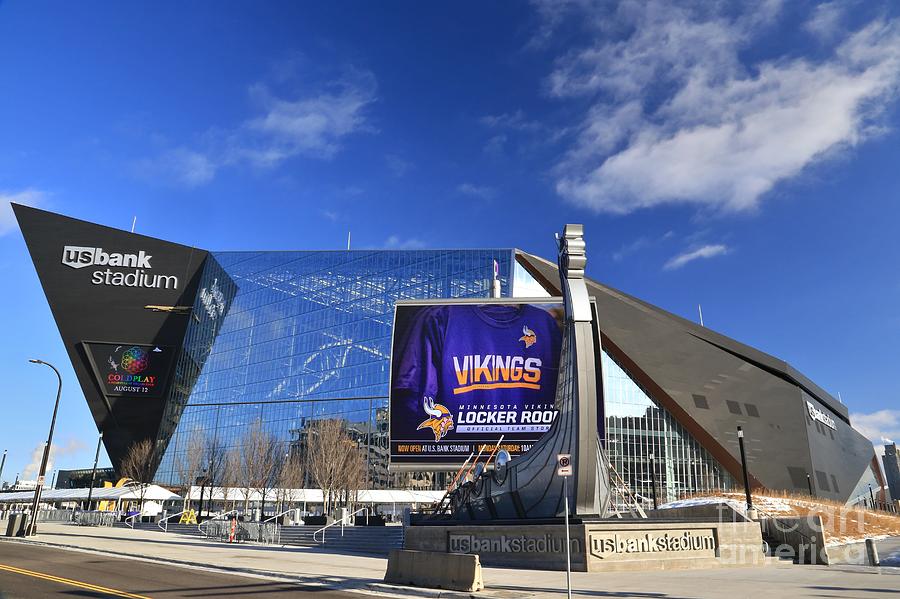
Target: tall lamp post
653 480
740 434
94 471
32 527
2 464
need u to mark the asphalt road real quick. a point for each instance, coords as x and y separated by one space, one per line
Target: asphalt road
31 571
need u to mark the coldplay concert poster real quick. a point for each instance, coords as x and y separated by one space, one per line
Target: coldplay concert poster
465 374
130 370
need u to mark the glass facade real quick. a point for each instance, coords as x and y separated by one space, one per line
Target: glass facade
308 336
636 427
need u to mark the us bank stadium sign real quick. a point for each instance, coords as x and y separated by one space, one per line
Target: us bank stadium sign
819 416
138 264
653 544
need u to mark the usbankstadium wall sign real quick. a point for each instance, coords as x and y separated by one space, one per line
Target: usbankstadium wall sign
99 282
80 257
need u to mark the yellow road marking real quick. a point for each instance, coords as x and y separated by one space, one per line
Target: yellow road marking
74 583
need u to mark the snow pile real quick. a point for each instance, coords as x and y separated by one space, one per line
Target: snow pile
892 559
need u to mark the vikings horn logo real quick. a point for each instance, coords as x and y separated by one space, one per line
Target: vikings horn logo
441 419
528 337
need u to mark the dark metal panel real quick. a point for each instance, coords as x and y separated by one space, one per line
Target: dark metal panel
737 385
88 310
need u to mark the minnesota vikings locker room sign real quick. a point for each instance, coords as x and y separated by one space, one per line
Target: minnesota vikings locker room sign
464 374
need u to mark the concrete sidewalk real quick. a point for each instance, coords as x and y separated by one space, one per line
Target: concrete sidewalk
364 574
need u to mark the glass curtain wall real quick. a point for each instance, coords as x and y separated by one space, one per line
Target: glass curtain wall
637 427
308 336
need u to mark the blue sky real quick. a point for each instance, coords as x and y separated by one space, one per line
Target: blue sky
744 159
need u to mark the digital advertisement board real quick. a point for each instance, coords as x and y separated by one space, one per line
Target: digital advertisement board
464 374
129 369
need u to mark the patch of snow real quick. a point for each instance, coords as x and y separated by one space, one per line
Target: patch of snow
892 559
695 501
836 541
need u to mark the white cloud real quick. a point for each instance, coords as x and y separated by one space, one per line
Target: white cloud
825 22
879 427
674 117
481 192
397 164
179 166
314 124
28 197
395 242
30 472
706 251
641 243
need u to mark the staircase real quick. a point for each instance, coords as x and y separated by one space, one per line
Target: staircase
181 529
375 540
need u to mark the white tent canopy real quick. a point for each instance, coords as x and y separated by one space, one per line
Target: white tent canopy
374 496
129 493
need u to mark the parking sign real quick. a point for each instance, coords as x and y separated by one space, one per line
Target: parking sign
564 464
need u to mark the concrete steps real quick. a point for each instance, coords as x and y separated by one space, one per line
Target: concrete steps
376 540
181 529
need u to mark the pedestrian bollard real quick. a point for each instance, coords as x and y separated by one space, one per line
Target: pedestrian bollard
872 552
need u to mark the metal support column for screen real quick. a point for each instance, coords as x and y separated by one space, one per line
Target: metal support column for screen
528 483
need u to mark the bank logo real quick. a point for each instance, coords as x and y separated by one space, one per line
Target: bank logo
79 257
528 337
440 421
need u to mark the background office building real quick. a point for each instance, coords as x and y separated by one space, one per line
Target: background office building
289 337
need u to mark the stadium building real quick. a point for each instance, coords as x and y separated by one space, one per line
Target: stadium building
168 341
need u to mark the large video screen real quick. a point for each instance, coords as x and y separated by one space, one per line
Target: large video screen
129 369
465 374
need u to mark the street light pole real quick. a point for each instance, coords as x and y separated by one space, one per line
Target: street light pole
740 433
94 471
2 464
32 528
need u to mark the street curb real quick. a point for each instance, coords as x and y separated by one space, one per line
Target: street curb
356 587
403 591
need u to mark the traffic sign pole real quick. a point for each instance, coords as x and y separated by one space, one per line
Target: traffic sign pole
564 469
568 548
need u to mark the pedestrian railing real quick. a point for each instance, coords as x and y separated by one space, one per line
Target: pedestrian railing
164 522
132 517
95 518
214 518
336 523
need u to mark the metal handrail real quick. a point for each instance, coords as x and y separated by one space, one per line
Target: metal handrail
276 515
166 520
214 518
336 522
132 517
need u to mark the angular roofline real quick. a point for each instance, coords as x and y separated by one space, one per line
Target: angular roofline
760 359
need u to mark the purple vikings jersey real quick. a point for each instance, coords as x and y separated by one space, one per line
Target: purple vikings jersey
492 368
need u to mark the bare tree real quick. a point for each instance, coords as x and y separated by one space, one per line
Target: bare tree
190 463
138 466
289 478
213 465
261 460
333 460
